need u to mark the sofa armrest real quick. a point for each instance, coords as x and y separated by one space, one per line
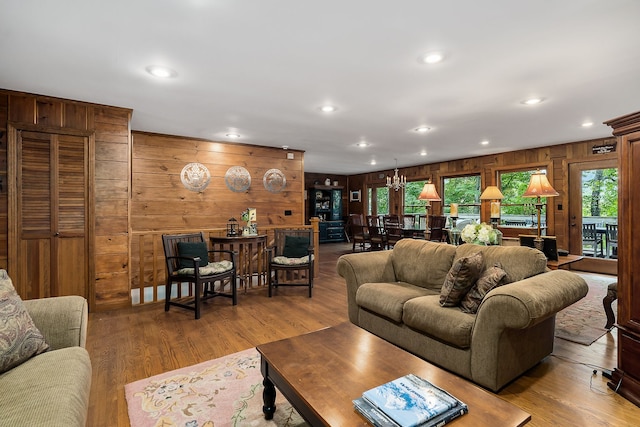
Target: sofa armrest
525 303
62 320
366 267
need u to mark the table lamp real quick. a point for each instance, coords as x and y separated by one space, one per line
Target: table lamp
494 194
539 186
430 194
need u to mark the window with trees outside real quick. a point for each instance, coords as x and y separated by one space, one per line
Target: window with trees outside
378 198
600 196
516 210
465 191
413 206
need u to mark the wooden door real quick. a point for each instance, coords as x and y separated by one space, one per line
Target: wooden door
50 254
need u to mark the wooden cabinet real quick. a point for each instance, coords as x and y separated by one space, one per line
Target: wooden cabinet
626 377
326 204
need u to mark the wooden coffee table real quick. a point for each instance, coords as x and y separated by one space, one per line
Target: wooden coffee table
320 373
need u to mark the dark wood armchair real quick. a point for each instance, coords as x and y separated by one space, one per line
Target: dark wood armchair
436 228
189 261
291 259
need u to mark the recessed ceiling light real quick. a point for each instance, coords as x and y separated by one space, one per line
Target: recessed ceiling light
431 58
160 71
328 108
233 135
422 129
373 162
485 142
423 153
587 124
532 101
362 144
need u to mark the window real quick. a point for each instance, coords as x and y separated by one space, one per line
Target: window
465 191
516 210
378 200
412 205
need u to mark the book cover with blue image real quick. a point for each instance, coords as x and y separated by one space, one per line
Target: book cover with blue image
410 400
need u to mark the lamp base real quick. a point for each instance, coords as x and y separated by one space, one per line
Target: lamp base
538 243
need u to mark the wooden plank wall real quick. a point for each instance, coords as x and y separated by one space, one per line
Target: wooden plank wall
160 201
109 191
555 158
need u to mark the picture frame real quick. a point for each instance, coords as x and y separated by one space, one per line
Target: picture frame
354 195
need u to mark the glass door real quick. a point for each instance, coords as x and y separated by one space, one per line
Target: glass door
593 209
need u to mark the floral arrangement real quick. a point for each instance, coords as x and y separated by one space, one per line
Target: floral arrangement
479 233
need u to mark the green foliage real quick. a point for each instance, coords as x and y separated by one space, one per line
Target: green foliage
600 192
513 185
465 191
411 203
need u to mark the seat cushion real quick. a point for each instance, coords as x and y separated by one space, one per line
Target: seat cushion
447 324
461 277
283 260
20 339
193 249
295 246
388 299
210 268
51 389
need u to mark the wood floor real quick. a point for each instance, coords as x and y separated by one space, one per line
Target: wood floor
131 344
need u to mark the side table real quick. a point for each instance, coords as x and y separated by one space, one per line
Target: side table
251 251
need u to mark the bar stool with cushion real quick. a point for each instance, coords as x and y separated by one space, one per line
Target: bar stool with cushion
291 256
189 261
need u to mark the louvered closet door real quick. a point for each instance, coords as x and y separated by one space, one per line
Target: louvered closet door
52 205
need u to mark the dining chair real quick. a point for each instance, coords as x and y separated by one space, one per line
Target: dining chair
377 235
612 240
359 233
188 260
593 240
436 228
291 258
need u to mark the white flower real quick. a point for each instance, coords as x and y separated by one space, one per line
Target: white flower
482 233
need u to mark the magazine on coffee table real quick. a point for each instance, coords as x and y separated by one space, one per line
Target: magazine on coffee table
378 418
411 401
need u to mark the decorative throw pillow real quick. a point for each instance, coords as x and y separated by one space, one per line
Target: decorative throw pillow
491 278
193 249
295 246
20 339
460 278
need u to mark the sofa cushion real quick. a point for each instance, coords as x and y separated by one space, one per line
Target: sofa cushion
422 263
491 278
51 389
211 268
387 299
461 277
20 339
519 262
447 324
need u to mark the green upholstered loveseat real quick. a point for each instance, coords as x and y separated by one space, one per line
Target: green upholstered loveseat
52 388
395 294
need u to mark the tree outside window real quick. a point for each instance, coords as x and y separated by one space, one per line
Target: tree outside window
412 205
515 208
465 191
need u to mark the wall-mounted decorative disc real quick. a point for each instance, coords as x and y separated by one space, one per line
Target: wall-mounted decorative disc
238 179
274 180
195 177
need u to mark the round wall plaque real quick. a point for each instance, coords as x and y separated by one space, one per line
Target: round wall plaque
274 180
238 179
195 177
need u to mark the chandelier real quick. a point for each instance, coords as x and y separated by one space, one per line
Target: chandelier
396 182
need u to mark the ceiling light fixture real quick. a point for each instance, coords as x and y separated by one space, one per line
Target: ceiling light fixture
532 101
160 71
485 142
233 135
396 182
328 108
422 129
373 162
423 153
362 144
587 124
431 58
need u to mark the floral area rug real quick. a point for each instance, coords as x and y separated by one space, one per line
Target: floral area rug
220 392
583 322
